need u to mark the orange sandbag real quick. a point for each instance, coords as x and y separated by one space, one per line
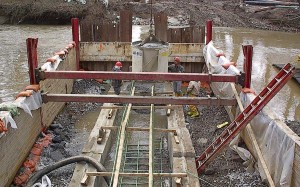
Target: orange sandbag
36 151
52 60
22 178
248 90
30 164
73 43
35 158
66 51
220 54
34 87
26 93
99 80
227 65
60 53
2 127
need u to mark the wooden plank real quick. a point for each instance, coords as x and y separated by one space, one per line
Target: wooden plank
137 174
187 35
86 31
140 107
141 129
121 144
254 142
125 31
161 26
151 148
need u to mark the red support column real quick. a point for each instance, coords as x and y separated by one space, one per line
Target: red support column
32 58
75 33
248 54
208 31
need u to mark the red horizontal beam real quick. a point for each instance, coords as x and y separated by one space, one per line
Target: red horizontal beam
138 99
138 76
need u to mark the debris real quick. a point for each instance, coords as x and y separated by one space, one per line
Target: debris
222 125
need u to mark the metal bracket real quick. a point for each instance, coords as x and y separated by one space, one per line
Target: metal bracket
241 79
39 75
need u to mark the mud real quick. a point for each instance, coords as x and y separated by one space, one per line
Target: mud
229 13
68 139
228 166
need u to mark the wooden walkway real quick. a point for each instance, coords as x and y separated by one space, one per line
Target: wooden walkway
297 74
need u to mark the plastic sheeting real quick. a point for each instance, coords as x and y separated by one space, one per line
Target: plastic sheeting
33 102
276 146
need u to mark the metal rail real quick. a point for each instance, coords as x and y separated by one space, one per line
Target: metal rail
212 101
155 76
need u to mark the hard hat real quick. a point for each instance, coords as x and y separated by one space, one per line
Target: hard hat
119 64
177 59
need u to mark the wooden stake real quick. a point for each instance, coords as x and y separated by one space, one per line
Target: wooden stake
151 155
122 142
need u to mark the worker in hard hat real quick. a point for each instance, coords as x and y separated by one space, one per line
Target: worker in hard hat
116 84
176 68
193 90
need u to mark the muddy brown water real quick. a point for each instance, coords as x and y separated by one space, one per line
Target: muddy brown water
269 47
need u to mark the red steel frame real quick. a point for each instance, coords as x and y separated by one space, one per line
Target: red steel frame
32 58
138 99
208 32
157 76
248 53
75 34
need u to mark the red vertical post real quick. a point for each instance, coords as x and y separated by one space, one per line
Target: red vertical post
32 58
208 31
248 54
75 33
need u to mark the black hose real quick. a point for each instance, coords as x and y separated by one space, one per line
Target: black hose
39 174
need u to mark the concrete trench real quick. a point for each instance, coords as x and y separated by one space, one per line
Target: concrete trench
171 154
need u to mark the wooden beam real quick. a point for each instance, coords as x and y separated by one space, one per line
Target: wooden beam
141 107
253 139
137 174
140 129
151 130
121 144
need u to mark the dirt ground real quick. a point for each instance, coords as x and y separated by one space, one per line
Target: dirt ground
68 141
227 13
228 167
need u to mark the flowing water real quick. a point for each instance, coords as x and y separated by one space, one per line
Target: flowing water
269 48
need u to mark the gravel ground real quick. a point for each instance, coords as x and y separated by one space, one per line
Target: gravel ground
69 141
228 166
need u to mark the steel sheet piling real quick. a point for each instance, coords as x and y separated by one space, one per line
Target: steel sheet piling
75 34
248 54
32 58
208 31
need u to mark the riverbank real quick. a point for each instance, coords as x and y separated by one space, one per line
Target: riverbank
227 13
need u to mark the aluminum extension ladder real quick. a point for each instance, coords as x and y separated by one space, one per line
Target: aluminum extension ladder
244 117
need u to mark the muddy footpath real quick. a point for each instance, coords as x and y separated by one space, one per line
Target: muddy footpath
224 13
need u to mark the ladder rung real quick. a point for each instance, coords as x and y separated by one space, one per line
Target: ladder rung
285 70
277 79
269 89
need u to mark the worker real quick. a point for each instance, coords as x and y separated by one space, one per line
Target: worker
116 84
176 68
193 90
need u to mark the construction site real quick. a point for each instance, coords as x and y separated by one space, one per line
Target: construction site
185 112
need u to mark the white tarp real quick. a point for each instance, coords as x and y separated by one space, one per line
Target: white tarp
276 146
